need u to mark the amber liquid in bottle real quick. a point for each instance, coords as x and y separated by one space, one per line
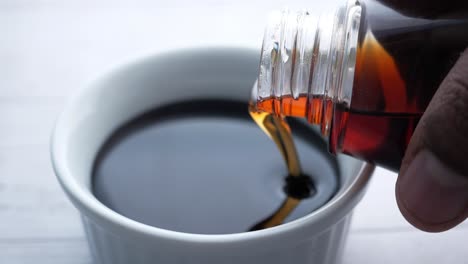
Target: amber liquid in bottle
400 63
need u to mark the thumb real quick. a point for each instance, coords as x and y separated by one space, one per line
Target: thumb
432 188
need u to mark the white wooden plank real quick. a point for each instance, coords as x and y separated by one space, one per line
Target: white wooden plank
61 251
407 247
28 120
378 209
31 201
50 49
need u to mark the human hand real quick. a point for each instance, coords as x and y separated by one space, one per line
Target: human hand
432 187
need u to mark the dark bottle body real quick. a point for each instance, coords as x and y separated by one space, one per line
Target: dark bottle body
366 76
400 63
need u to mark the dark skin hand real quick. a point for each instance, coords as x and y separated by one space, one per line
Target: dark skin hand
432 187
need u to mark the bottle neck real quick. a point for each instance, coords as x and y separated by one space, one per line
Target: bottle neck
307 64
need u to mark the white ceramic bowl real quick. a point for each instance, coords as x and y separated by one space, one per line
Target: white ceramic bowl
136 87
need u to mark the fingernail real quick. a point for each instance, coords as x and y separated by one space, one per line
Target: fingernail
431 193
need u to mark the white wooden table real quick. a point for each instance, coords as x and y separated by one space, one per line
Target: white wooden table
49 48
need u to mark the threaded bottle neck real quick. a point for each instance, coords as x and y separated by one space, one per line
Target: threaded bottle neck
307 63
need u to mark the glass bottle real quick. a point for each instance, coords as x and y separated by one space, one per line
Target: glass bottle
365 74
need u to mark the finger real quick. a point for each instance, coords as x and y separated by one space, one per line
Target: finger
426 8
432 188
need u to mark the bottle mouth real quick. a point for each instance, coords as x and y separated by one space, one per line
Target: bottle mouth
302 63
254 95
295 63
288 54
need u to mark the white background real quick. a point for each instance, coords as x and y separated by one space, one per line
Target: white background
48 48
